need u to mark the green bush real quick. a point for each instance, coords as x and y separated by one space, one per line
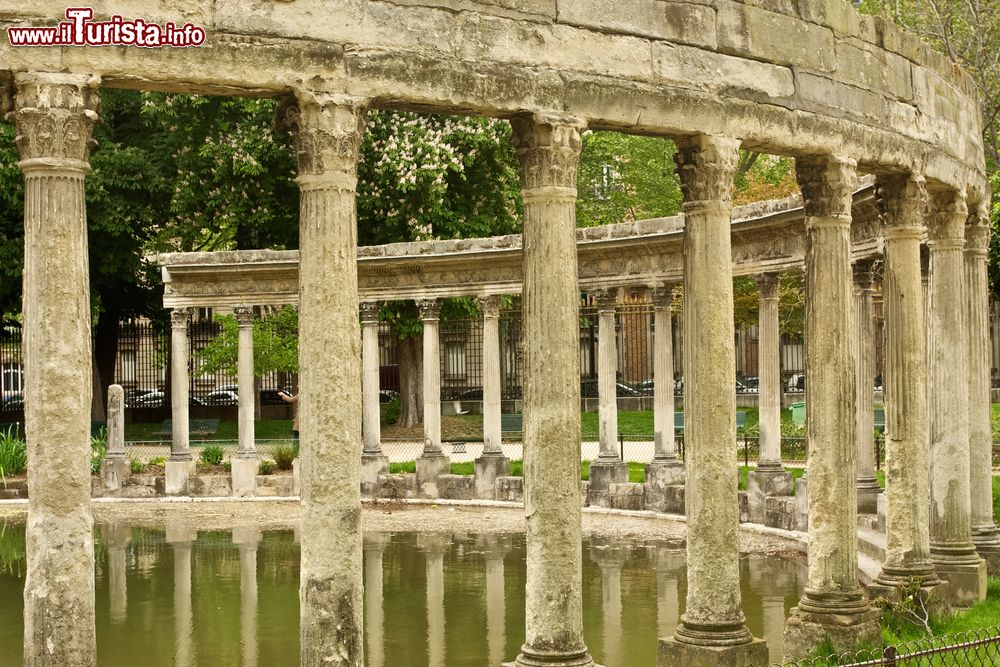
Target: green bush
266 467
98 448
135 465
13 454
212 455
390 412
157 461
283 456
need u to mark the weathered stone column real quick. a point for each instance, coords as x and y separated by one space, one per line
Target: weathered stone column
180 464
985 535
833 604
374 546
769 478
907 479
665 469
373 461
952 551
180 537
609 468
115 468
53 115
433 461
433 545
864 337
247 539
492 463
326 132
713 628
116 538
496 606
246 463
548 149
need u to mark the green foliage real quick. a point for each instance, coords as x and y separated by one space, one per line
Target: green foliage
390 412
625 177
135 465
760 177
212 455
275 344
98 448
12 549
159 461
266 467
402 467
13 454
283 456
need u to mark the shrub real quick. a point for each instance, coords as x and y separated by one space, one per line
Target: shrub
157 461
212 455
283 456
390 411
266 467
98 448
135 465
13 454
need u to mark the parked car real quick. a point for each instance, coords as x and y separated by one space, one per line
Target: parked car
752 384
152 399
744 388
270 397
588 389
796 383
387 395
645 387
13 402
133 395
221 397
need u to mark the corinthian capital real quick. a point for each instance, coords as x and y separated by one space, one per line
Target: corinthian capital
244 315
977 234
827 183
548 150
54 115
662 295
369 312
179 317
326 132
706 167
902 199
489 306
605 298
430 309
949 213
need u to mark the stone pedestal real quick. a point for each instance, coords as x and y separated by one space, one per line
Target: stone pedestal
429 468
114 472
244 472
868 497
488 468
372 465
764 482
966 579
805 630
602 475
659 476
673 653
176 474
115 468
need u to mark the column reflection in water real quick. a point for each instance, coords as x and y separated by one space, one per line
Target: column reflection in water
116 538
433 546
774 579
180 537
609 559
374 546
496 609
247 538
669 565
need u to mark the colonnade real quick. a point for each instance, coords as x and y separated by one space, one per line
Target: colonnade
54 113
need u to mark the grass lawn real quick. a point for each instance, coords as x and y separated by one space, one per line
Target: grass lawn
980 615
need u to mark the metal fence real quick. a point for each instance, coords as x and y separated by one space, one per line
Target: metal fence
975 648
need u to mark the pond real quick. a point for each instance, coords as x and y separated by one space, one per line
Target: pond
217 599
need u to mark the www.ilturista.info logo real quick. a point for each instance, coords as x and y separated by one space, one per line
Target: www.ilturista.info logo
79 30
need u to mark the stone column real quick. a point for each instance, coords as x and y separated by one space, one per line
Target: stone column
492 463
247 538
433 462
374 546
952 551
53 115
495 601
833 604
985 535
180 537
326 133
116 538
246 463
373 461
180 464
907 480
115 468
433 545
864 340
548 149
769 478
666 469
713 628
609 468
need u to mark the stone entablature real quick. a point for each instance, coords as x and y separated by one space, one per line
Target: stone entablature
793 78
767 237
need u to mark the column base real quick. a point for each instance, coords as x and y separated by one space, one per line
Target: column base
372 465
892 582
489 466
244 473
176 474
534 658
661 474
764 482
851 628
966 577
987 543
673 653
604 473
114 471
429 467
868 490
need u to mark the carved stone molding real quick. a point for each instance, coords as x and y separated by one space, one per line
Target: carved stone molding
326 131
864 277
827 183
548 150
244 315
902 199
369 311
977 237
767 284
430 309
489 306
948 214
179 317
662 295
54 115
706 167
605 298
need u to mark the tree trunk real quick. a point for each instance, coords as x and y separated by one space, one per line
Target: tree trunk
411 399
105 355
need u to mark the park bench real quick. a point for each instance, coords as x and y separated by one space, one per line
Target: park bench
201 428
880 420
511 422
741 420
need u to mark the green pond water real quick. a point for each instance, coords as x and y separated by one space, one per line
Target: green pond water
431 600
